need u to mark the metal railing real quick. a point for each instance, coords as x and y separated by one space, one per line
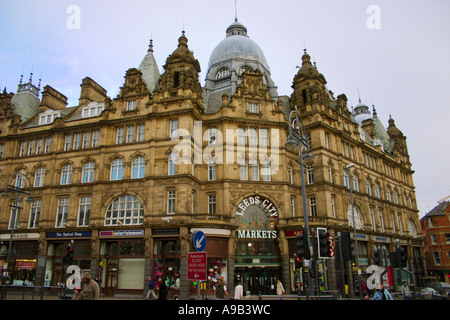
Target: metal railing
30 293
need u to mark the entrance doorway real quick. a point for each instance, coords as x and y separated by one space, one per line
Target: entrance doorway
258 280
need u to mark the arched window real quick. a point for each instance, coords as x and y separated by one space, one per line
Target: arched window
358 218
124 210
117 169
138 168
222 74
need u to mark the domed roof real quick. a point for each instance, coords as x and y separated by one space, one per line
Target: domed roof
237 45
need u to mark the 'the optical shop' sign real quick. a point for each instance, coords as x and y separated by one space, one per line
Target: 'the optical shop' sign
255 200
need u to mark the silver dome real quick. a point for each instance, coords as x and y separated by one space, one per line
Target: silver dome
237 47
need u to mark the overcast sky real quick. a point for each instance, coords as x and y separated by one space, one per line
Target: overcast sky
396 52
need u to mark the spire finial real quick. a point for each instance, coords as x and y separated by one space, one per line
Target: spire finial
235 11
359 97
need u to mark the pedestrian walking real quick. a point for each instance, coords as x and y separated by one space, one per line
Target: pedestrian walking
90 291
405 291
220 290
280 289
382 294
239 292
151 289
162 289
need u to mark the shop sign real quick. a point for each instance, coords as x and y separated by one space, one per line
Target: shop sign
72 234
257 234
26 264
122 233
19 236
255 200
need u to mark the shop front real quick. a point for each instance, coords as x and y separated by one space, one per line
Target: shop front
57 242
257 263
21 270
122 262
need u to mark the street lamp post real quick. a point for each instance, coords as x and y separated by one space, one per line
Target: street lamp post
16 183
297 138
354 227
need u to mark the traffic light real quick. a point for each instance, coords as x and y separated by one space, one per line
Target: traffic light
401 256
376 256
298 262
325 247
302 249
346 244
68 257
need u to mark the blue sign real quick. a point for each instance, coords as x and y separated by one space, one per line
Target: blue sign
198 240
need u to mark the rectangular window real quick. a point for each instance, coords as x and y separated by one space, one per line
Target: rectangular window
131 105
48 144
95 138
437 258
34 214
86 137
327 140
264 137
130 134
76 140
67 142
255 169
2 150
253 107
266 173
313 207
15 214
39 146
380 217
333 206
171 202
84 211
293 207
211 204
243 168
119 135
31 147
172 165
212 170
310 174
62 212
140 132
253 137
242 136
372 219
23 147
173 128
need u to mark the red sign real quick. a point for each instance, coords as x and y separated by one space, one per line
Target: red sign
196 266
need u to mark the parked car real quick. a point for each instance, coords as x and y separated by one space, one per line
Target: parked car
427 293
443 288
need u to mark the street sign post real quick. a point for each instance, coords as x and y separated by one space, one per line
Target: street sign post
196 266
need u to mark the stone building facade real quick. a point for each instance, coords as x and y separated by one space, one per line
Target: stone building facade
129 179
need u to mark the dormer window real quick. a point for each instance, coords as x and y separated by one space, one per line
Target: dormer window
131 105
93 109
48 116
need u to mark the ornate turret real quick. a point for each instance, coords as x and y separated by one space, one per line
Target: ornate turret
309 85
397 138
181 69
